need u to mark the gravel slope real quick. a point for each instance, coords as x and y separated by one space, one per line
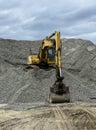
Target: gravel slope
20 85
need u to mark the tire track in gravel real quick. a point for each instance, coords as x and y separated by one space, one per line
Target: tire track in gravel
76 79
85 92
15 96
92 113
9 124
91 117
46 124
29 122
50 123
84 119
37 124
54 118
63 122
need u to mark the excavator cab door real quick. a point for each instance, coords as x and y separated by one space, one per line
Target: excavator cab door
51 54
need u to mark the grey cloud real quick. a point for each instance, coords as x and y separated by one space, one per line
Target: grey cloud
7 4
81 15
33 20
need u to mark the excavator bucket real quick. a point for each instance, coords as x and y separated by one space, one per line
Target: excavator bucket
59 93
56 98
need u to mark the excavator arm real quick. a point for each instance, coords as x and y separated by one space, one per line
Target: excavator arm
59 93
58 55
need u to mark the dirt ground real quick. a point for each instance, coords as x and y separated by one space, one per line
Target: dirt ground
52 117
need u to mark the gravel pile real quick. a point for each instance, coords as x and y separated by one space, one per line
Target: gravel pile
18 85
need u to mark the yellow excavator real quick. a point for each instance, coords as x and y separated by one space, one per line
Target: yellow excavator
50 54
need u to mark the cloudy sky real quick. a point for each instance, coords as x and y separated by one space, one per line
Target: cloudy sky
35 19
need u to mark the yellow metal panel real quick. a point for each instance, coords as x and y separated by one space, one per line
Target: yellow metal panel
33 59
